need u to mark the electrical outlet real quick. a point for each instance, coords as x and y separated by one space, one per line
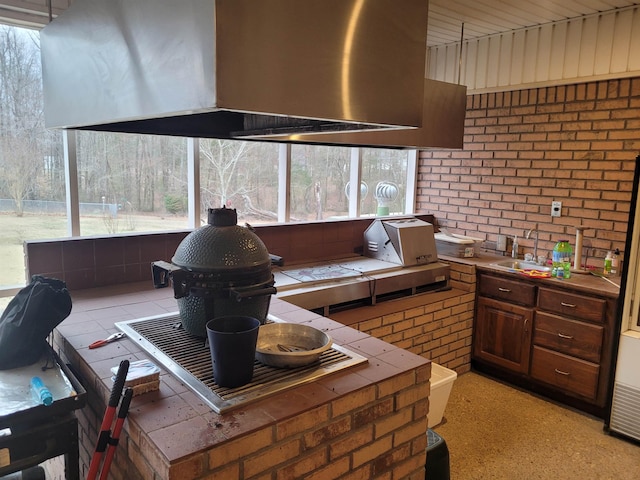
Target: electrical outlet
556 209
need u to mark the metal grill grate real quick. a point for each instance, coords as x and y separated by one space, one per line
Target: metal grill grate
188 358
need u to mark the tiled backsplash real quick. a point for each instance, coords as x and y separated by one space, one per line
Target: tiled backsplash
100 261
89 262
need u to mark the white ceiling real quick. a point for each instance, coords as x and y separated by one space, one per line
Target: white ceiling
487 17
480 17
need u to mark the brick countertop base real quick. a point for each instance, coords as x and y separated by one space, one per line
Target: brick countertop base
369 420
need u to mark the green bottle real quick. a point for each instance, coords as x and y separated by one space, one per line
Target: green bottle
561 258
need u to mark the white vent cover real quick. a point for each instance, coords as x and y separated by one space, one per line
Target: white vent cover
625 410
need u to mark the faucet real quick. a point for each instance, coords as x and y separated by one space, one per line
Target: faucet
535 241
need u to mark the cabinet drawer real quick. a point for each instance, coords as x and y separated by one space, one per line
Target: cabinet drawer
568 336
509 290
572 305
573 376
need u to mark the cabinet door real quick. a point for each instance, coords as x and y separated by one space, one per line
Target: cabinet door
503 334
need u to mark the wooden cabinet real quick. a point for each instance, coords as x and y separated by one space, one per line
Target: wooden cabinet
551 339
503 334
568 339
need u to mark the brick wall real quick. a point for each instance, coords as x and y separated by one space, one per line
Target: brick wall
522 149
437 326
377 431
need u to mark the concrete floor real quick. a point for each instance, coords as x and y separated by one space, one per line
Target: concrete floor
496 432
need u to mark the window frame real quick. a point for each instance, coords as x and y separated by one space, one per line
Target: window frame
193 162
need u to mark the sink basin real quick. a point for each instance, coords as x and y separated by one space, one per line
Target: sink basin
521 265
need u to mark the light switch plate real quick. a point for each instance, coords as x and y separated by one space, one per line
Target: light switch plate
556 209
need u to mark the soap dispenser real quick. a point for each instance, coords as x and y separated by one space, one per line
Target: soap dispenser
607 264
514 247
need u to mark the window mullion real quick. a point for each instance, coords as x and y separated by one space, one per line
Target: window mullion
193 182
412 182
284 183
355 177
71 182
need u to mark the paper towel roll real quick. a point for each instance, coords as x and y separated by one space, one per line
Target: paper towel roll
577 260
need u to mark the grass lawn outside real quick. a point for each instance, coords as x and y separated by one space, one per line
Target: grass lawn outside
15 230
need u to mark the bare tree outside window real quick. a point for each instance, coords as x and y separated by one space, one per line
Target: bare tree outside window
131 182
31 167
240 175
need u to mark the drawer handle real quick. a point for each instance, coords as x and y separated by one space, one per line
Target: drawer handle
568 337
560 372
505 290
570 305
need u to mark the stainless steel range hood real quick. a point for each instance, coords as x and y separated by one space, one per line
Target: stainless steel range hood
443 115
235 68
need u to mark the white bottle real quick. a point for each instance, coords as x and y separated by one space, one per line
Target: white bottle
514 247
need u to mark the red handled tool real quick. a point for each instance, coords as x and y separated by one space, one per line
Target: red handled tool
111 338
115 437
105 429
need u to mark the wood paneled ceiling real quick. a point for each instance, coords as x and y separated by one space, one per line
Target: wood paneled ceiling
488 17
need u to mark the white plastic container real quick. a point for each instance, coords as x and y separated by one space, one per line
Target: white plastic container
442 380
457 245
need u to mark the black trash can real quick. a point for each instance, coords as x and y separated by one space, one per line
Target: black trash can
437 465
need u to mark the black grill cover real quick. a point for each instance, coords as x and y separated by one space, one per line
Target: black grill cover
29 318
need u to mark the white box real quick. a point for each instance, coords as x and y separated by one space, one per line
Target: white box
455 245
442 380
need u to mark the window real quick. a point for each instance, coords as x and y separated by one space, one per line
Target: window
32 194
131 183
385 174
319 175
142 183
240 175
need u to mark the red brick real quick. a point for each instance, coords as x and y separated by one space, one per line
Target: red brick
271 458
372 451
384 462
327 432
352 401
372 413
243 446
306 464
353 442
334 470
302 422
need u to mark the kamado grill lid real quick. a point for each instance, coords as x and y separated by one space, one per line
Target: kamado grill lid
222 245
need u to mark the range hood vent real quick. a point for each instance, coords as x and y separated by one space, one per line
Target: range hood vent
443 115
235 68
